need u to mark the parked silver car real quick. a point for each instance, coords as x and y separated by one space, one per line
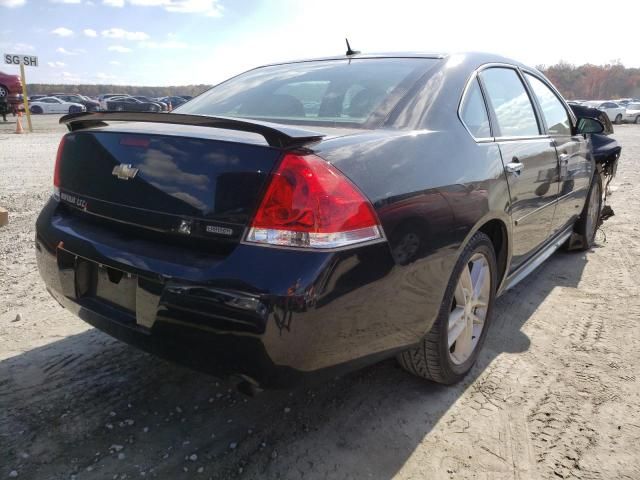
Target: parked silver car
614 111
632 113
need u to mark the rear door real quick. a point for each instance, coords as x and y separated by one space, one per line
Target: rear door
49 105
575 169
59 106
529 158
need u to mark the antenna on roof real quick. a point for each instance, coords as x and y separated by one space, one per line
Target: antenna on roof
349 51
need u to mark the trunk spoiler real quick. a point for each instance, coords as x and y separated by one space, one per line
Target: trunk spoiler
276 135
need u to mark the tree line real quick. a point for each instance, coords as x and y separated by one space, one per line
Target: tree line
587 82
594 82
92 90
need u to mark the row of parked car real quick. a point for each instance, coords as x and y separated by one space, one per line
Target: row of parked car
625 110
72 103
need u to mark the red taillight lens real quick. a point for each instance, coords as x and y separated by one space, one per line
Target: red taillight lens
309 203
56 169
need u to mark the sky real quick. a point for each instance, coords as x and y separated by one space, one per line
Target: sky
180 42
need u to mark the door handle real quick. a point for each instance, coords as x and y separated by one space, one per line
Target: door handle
564 165
514 167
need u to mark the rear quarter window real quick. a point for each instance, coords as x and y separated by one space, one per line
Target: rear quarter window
473 111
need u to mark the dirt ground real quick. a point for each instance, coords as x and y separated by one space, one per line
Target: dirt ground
555 394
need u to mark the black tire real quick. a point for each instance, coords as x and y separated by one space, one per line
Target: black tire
586 227
432 359
36 110
4 91
638 120
618 119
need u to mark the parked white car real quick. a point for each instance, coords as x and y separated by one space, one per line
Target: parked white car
632 114
55 105
614 111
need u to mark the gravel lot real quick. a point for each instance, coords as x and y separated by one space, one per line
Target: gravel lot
555 393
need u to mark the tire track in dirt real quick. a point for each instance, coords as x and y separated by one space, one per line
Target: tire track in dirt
561 434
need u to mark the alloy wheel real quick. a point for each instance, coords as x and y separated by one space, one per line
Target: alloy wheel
3 91
469 309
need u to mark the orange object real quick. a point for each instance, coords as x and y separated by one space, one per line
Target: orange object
4 217
19 128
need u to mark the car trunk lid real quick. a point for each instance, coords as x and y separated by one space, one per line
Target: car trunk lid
175 181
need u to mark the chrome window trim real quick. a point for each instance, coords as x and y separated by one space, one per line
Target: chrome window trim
470 80
523 138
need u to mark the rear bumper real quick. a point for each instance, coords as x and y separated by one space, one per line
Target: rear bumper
15 98
273 315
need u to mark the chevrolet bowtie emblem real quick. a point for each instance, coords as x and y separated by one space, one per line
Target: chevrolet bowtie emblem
124 172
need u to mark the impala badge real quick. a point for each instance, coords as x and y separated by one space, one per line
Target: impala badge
124 172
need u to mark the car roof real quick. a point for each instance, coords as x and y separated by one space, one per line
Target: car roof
472 57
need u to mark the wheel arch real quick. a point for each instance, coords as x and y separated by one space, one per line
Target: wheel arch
498 230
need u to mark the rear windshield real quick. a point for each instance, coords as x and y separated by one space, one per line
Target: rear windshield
332 92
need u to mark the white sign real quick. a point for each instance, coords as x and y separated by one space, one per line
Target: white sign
16 59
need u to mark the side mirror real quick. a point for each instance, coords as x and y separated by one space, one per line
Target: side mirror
587 125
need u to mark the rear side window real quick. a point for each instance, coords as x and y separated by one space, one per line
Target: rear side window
510 102
473 112
333 92
555 115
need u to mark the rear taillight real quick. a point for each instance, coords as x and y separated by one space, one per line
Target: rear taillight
56 170
309 203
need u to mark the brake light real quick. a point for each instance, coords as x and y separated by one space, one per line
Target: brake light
56 170
309 203
135 141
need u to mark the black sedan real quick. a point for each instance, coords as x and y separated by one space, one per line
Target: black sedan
173 101
131 104
163 106
317 216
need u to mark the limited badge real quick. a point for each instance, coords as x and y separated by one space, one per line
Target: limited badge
219 230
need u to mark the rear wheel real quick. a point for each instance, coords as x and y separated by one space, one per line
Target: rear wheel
638 119
36 109
3 91
451 347
618 120
589 221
